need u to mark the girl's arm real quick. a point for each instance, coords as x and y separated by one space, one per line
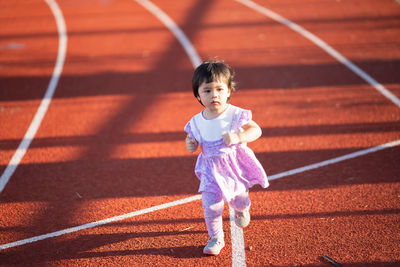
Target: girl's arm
251 133
191 144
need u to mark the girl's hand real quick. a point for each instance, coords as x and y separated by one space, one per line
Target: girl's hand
191 144
251 132
231 139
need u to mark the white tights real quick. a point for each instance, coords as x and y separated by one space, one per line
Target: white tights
213 206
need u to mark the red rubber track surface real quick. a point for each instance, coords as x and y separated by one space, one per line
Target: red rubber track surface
112 139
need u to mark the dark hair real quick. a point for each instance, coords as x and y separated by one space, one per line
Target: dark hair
212 71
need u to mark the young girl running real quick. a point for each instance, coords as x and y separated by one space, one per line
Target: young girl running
226 168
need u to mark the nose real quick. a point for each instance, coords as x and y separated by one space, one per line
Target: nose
214 93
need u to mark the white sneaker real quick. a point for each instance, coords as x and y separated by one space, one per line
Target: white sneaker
214 246
242 218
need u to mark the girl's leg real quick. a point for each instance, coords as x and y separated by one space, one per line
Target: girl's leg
241 205
241 202
213 205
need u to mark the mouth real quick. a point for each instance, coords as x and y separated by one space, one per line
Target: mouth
215 102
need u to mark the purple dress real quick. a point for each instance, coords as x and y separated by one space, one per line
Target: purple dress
230 170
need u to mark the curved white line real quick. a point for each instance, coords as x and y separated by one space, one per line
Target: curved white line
37 120
324 46
170 24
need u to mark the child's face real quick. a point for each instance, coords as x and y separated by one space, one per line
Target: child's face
214 95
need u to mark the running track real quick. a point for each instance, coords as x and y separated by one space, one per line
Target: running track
110 143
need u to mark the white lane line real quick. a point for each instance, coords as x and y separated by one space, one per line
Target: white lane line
37 120
238 252
101 222
335 160
237 240
171 25
324 46
196 197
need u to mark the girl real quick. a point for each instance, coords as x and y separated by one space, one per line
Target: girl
227 168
